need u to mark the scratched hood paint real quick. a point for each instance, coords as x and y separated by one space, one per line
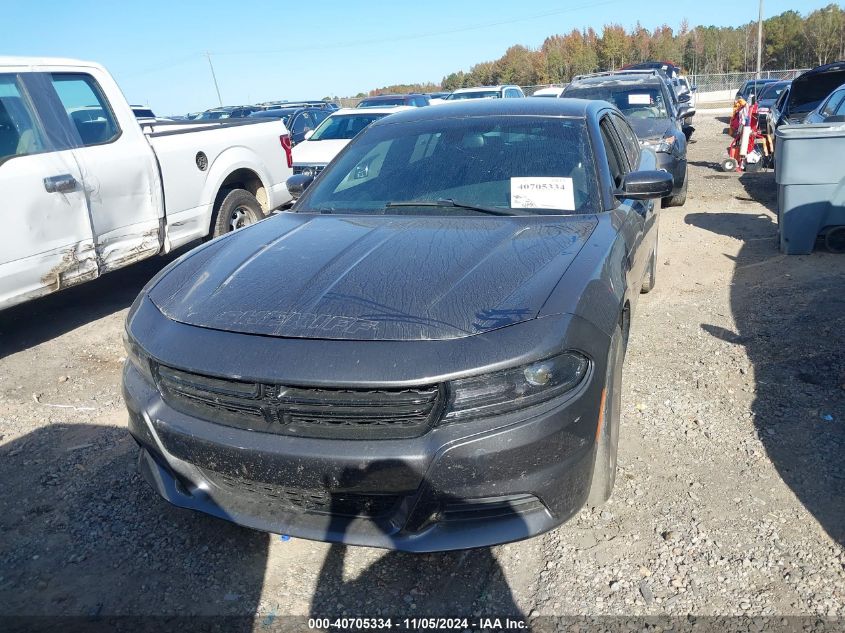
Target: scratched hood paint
374 278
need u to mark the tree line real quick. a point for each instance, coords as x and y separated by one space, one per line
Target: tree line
790 40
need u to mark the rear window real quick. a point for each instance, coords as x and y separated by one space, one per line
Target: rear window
640 101
478 94
533 164
344 127
378 103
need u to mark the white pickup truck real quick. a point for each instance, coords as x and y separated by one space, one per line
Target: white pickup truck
86 189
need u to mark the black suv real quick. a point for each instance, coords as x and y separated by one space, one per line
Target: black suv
382 101
649 104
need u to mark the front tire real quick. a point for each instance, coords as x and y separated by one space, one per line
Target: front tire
604 470
238 209
680 198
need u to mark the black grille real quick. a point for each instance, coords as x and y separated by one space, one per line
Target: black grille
308 412
297 500
297 169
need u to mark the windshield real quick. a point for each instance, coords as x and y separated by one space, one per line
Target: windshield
382 103
213 115
477 94
505 164
344 126
635 102
772 91
277 113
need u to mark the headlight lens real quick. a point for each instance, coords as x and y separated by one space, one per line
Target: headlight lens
138 357
664 144
513 389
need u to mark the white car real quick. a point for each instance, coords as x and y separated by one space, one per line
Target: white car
332 135
88 189
485 92
551 91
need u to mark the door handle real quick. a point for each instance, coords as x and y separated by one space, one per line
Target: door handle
64 183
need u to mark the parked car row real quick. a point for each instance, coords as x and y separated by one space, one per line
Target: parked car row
648 100
816 96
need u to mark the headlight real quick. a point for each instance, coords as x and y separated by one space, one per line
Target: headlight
138 357
663 145
513 389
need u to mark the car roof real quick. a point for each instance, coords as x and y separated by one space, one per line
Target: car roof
477 88
621 79
396 96
365 111
570 108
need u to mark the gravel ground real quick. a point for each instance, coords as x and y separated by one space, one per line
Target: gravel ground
730 498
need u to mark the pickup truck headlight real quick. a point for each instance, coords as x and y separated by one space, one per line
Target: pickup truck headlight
514 389
139 359
663 145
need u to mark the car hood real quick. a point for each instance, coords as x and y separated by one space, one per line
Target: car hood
374 278
317 152
651 128
809 89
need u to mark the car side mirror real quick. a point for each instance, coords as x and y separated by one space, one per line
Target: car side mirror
693 89
685 98
646 185
298 184
309 134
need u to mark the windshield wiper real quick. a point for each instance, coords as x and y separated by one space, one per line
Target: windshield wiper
448 202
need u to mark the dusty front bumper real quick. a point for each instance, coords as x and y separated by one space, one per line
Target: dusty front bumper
453 488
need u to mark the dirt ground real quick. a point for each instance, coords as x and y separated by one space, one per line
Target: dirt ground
730 498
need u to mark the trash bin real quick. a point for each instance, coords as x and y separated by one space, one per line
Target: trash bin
810 175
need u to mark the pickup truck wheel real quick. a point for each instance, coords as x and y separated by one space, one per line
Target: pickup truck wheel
604 470
238 209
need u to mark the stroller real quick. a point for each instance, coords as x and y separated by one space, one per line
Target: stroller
749 149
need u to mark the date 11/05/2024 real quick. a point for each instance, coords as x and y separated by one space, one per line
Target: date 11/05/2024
418 624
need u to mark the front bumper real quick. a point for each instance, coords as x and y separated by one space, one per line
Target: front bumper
445 490
461 485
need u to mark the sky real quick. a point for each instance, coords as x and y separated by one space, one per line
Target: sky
266 50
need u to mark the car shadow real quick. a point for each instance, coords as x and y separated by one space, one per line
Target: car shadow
464 583
789 313
29 324
83 535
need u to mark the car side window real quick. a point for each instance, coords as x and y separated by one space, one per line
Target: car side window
841 109
19 134
615 161
319 117
630 144
86 107
299 123
832 103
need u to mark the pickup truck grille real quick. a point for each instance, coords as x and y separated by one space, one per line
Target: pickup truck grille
302 411
298 500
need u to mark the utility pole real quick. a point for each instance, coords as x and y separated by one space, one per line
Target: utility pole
759 39
217 88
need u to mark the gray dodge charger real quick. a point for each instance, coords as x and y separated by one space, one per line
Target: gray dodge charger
426 352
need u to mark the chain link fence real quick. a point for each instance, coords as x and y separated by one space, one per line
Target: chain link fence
734 81
704 82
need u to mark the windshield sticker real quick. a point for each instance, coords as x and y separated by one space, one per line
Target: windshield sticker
542 193
635 99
